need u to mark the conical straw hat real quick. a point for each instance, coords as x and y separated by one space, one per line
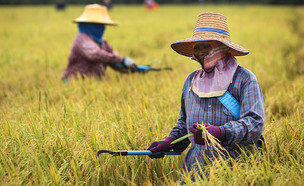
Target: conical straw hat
210 26
95 13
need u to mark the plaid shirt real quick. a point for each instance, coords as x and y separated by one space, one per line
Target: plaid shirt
234 133
88 58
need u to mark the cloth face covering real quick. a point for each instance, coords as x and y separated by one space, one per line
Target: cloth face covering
218 52
217 73
95 30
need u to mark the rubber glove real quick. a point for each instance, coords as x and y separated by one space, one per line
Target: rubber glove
163 145
197 134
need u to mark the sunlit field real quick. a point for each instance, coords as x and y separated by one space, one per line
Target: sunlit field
50 132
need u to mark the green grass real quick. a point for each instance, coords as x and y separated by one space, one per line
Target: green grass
50 132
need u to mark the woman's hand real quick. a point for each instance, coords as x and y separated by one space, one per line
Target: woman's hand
129 63
197 134
157 146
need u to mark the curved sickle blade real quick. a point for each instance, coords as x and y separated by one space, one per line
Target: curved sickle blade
114 153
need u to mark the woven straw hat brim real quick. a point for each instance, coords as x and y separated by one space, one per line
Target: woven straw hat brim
185 46
84 20
95 13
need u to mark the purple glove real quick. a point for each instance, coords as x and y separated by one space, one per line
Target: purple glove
163 145
197 134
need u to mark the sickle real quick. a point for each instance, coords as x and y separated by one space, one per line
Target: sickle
159 69
136 152
142 68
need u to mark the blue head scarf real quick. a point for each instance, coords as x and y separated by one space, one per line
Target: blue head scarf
95 30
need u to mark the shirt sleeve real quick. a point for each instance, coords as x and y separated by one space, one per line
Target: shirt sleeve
90 50
180 128
106 46
248 129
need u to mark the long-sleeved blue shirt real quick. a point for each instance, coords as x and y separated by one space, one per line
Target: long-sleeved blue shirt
234 133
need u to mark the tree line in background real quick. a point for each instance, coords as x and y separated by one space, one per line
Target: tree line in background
44 2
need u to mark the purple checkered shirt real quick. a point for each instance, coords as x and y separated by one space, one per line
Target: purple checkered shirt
88 58
245 132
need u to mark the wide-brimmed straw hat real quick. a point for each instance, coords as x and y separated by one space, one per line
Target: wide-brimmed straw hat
211 26
95 13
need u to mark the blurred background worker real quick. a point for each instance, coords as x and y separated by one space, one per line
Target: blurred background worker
60 5
151 5
108 4
91 54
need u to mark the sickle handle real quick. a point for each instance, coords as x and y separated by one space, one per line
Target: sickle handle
140 152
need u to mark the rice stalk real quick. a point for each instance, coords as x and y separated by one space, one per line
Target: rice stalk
211 141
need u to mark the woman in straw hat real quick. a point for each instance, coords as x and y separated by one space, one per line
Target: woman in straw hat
222 95
91 54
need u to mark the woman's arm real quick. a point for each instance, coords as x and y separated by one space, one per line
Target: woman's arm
180 128
248 129
89 49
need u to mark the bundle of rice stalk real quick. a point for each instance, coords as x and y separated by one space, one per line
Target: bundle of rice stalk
211 141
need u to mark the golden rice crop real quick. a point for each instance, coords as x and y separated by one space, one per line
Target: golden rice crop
50 132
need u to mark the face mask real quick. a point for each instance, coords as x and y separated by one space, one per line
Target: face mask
93 29
217 52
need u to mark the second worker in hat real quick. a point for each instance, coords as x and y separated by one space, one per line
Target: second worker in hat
91 54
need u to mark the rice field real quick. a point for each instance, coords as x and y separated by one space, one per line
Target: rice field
50 132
